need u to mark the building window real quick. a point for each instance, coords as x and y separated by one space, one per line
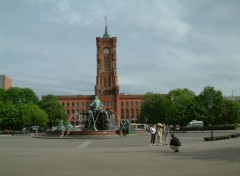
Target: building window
132 103
132 113
136 103
82 104
106 63
68 104
63 104
122 113
127 113
109 82
122 103
137 113
72 104
77 104
105 82
126 103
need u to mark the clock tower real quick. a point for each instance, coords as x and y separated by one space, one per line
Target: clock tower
107 88
107 79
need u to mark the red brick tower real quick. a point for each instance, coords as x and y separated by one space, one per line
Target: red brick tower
107 88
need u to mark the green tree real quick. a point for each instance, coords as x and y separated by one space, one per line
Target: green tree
8 115
21 96
2 95
181 106
213 103
231 112
55 111
24 116
154 109
31 114
38 116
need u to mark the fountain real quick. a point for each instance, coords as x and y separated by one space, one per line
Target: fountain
95 121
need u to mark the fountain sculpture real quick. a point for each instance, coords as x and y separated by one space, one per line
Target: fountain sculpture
95 121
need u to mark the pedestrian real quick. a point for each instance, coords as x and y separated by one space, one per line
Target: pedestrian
165 134
153 134
159 134
23 130
175 143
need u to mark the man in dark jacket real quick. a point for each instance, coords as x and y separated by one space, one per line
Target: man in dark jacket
175 143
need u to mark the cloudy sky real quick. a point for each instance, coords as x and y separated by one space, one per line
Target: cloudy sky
50 45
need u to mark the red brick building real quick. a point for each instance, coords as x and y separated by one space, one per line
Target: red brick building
5 82
127 107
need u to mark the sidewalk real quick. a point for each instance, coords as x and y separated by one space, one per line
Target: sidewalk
128 156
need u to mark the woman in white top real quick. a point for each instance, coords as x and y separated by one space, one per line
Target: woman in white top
153 134
159 134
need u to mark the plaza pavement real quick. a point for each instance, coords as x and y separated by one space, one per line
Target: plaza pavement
119 156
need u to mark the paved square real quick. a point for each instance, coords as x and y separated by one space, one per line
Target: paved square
128 156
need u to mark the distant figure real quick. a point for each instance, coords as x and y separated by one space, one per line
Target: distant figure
23 130
153 134
175 143
177 127
165 134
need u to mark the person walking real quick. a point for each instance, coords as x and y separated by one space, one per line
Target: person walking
165 134
153 134
175 143
159 134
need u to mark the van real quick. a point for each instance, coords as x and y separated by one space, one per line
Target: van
195 123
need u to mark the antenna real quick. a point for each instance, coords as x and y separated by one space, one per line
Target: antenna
106 35
105 20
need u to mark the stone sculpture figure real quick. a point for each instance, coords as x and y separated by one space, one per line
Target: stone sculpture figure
94 107
96 104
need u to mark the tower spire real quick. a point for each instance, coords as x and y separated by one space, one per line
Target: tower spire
106 35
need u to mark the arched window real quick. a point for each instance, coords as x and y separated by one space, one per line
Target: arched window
106 62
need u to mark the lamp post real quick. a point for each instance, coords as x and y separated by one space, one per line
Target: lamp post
210 105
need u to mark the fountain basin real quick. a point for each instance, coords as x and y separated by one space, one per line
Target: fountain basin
86 132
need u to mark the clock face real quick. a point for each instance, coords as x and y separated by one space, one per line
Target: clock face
106 50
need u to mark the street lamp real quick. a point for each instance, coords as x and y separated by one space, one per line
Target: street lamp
210 105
